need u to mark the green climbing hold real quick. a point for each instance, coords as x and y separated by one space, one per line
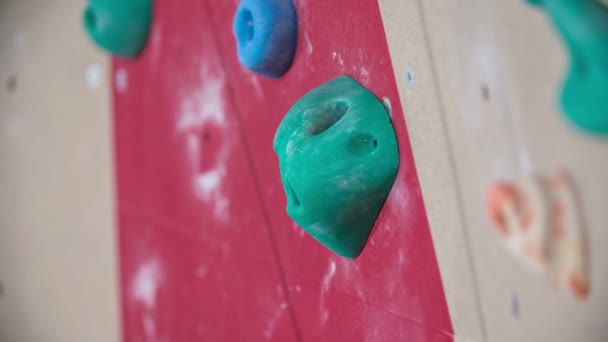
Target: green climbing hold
338 158
583 25
119 26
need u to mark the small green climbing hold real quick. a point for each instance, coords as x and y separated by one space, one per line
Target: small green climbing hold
583 25
119 26
338 157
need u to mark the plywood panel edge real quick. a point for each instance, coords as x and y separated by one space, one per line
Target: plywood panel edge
419 94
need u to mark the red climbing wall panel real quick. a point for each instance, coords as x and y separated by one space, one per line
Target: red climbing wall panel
196 258
207 250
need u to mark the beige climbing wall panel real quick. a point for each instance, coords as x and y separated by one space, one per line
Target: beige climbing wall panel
482 108
58 270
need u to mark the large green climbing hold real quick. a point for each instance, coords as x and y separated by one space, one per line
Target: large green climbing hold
119 26
583 25
338 158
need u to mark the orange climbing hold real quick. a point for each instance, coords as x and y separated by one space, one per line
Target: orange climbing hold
500 196
538 221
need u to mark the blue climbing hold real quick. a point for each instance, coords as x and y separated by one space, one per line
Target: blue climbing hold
266 32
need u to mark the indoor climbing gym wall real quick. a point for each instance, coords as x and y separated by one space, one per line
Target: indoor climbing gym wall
303 170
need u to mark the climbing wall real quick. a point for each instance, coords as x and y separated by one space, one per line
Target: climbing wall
204 238
199 238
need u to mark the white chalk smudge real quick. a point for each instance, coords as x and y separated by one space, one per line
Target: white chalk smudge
209 189
387 104
93 76
121 80
298 230
201 271
399 198
331 272
259 92
202 106
338 57
364 72
209 181
352 271
324 315
361 73
149 326
364 75
146 283
360 293
272 323
309 47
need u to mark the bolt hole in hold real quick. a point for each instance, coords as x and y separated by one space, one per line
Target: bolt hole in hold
244 26
362 143
327 117
90 19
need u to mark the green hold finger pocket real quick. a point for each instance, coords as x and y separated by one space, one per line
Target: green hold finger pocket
119 26
338 158
583 25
